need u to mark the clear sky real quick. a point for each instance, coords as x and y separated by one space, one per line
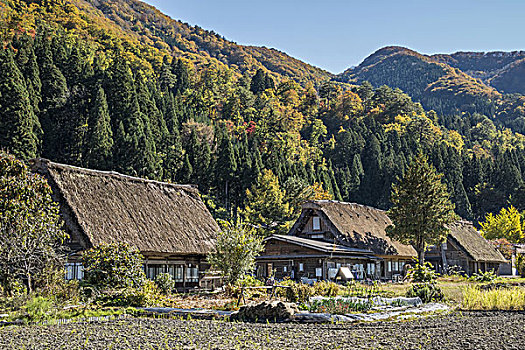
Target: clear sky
337 34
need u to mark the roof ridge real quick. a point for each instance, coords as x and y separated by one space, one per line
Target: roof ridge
37 162
323 201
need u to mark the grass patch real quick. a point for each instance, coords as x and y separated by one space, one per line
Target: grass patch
475 298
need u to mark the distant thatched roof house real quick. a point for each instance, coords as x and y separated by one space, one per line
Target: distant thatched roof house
168 223
360 227
467 249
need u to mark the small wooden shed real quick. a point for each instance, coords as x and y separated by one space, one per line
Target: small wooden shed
168 223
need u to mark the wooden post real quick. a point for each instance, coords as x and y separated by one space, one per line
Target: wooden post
444 256
184 268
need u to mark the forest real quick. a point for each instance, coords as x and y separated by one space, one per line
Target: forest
255 143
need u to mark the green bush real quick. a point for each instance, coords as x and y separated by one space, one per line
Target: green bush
39 308
427 292
422 273
165 283
124 298
487 276
113 266
326 289
299 293
341 307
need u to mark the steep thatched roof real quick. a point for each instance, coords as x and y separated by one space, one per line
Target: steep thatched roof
102 207
467 237
361 226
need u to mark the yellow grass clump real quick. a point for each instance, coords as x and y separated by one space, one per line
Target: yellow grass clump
495 299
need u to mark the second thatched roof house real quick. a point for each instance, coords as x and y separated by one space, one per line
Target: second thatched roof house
315 246
168 223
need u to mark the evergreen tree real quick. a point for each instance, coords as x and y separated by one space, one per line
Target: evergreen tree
135 151
99 146
19 126
421 207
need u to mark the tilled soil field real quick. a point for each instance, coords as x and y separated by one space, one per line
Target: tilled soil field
467 330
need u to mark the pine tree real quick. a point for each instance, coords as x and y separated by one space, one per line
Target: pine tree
99 145
19 126
421 207
135 151
54 97
180 71
225 168
259 82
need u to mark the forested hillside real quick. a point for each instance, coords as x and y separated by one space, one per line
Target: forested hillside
501 70
77 88
441 82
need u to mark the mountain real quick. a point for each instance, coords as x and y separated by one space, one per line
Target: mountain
451 84
435 84
502 70
150 27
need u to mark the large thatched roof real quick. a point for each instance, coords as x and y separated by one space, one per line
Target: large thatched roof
102 207
361 226
470 240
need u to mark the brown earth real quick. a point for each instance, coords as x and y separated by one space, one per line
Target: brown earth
467 330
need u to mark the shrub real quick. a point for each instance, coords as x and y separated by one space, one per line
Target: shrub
455 271
125 297
487 276
422 273
236 248
299 293
427 292
113 266
520 264
165 282
326 288
39 308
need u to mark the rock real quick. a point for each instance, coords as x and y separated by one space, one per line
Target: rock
276 311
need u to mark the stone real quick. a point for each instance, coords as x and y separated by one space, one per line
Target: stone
276 311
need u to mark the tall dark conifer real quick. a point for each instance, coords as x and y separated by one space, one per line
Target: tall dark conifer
99 145
19 126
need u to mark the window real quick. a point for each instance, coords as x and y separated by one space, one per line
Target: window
319 272
178 273
371 268
316 223
285 268
396 266
74 271
301 267
389 266
317 236
192 273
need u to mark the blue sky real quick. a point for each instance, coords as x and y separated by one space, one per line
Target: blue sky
337 34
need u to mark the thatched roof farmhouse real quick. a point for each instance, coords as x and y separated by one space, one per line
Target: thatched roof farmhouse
168 223
467 250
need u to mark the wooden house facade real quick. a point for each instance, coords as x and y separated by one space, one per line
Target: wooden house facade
465 250
343 225
307 259
169 224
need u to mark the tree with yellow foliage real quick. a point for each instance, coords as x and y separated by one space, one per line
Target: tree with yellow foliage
508 224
